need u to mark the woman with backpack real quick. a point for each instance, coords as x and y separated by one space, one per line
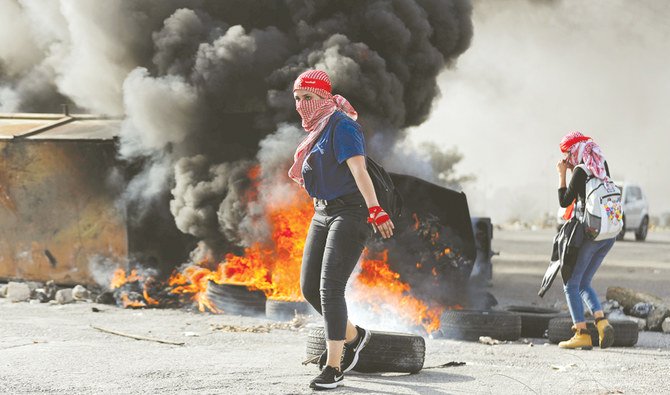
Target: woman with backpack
330 164
585 159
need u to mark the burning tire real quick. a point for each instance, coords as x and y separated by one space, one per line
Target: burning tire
534 320
625 332
236 299
385 352
471 324
285 311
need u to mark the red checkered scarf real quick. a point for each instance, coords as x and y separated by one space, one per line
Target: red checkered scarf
591 155
315 115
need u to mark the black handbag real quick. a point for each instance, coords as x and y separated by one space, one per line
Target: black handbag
566 247
571 250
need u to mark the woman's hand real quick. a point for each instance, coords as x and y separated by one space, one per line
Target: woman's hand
381 222
562 167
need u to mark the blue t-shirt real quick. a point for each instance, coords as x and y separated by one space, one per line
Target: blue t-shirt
326 174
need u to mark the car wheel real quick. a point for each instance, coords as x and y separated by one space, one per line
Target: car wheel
641 233
623 229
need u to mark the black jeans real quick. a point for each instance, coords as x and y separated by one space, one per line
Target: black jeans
335 241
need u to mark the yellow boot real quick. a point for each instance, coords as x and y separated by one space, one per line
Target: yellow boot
581 339
605 332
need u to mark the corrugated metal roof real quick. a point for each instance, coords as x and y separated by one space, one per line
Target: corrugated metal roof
58 127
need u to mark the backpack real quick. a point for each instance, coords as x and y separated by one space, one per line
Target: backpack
388 196
602 210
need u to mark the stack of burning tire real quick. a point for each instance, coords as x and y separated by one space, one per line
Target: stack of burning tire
236 299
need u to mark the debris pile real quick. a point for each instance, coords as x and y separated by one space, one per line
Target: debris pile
649 311
48 292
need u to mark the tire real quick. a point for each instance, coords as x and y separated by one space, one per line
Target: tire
622 234
236 299
641 232
279 310
534 320
385 352
471 324
625 332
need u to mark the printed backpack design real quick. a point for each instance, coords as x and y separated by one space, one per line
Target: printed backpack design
603 213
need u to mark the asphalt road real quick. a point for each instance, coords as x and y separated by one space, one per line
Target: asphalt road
524 256
54 349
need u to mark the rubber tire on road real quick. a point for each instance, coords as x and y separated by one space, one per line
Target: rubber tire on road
625 332
280 310
471 324
534 320
385 351
236 299
641 233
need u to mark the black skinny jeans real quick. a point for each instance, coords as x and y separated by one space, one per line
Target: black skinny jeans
335 241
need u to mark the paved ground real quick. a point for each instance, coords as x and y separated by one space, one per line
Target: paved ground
54 349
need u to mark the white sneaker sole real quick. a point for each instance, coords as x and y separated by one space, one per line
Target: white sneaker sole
364 343
328 386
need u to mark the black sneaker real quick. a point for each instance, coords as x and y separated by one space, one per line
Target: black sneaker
329 378
351 351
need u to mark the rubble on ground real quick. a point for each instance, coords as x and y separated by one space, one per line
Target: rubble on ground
64 296
80 293
637 306
666 325
18 292
36 292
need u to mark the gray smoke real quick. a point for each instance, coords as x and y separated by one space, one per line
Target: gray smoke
202 84
539 69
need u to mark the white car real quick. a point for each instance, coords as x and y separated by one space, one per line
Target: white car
635 211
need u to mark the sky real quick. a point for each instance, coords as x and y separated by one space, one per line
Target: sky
539 69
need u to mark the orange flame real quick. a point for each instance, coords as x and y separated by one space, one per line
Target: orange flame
119 278
273 267
378 285
127 303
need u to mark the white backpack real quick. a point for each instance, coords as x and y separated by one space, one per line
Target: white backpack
603 212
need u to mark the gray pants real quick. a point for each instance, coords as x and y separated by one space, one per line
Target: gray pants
334 243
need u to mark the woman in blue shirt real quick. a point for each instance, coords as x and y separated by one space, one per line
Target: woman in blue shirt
330 165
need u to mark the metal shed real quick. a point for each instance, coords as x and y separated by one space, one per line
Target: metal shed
58 212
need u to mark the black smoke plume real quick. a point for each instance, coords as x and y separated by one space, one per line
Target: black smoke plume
202 85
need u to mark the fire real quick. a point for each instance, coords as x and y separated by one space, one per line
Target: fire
273 267
379 286
119 278
127 303
194 280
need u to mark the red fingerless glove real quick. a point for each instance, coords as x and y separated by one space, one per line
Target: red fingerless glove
377 215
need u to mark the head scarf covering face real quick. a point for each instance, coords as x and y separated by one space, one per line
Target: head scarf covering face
582 149
315 114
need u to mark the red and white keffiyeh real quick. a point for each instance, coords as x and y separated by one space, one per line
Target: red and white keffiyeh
583 150
315 114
